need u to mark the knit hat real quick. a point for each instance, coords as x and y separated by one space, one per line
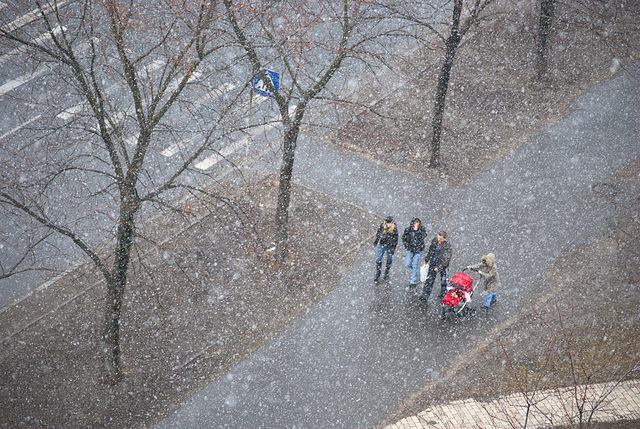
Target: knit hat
389 219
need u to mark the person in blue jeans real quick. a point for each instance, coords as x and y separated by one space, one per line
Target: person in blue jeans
386 241
413 240
488 269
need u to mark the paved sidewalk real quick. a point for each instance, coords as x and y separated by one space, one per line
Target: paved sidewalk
547 408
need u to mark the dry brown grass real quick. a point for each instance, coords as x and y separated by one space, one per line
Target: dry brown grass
200 300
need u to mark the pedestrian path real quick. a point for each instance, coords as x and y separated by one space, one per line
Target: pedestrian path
546 408
348 359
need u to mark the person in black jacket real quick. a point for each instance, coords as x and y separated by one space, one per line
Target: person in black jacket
386 240
438 258
413 240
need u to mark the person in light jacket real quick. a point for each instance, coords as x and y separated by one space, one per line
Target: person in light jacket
489 272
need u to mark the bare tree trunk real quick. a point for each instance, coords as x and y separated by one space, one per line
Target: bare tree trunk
547 8
284 192
284 199
297 89
116 287
452 43
153 95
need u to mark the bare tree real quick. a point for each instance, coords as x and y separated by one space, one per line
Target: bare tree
567 368
547 8
457 31
462 20
143 75
310 49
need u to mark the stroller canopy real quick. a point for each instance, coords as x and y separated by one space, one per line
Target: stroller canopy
462 281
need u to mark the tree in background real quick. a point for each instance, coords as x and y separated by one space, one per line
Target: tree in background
457 31
122 84
309 41
579 369
420 15
544 27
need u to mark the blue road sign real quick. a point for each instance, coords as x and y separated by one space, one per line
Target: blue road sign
260 87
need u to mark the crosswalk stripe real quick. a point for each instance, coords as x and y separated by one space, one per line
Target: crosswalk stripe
228 150
224 153
176 147
19 127
132 140
74 110
70 112
13 84
30 17
37 41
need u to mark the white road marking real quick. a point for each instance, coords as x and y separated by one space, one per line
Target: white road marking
267 127
176 147
13 84
228 150
74 110
39 40
171 150
155 65
70 112
132 140
30 17
226 87
19 127
224 153
174 83
219 92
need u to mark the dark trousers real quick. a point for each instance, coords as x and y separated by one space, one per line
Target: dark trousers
431 278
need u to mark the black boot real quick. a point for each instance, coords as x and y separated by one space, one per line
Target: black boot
386 270
378 268
426 289
443 290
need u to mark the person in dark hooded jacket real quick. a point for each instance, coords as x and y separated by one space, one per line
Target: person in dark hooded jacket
413 240
438 258
386 241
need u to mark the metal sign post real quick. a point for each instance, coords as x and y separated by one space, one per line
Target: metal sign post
259 87
246 156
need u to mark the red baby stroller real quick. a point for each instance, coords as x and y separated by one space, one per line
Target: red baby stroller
459 293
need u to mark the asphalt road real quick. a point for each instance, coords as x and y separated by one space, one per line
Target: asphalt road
351 357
